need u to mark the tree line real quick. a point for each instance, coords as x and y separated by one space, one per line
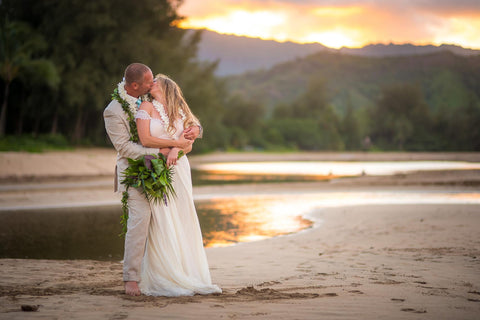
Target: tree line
332 101
400 120
61 60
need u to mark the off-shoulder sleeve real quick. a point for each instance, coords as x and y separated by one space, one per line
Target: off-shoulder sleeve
142 115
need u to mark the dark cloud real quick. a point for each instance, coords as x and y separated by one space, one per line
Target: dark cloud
452 5
448 4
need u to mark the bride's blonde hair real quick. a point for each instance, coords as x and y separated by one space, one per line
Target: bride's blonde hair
175 102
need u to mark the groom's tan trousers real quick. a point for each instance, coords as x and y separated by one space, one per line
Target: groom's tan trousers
118 129
137 230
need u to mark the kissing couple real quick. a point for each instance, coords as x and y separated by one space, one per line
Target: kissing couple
164 254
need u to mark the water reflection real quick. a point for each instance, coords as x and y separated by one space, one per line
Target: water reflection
228 221
324 169
92 232
62 233
253 217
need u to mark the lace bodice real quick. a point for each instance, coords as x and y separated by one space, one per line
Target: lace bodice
158 128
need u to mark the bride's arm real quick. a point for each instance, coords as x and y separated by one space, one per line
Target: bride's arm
147 140
173 155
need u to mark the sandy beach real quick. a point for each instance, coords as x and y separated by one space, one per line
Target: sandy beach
385 261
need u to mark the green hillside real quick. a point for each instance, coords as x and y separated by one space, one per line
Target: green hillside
333 101
446 80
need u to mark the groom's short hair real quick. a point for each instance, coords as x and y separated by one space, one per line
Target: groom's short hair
134 73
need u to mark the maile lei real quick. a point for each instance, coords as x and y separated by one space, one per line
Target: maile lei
129 106
149 173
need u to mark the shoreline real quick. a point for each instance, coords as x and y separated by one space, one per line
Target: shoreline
71 194
89 163
62 178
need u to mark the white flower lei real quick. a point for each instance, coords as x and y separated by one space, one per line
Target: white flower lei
165 119
132 101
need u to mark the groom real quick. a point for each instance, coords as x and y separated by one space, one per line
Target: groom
138 81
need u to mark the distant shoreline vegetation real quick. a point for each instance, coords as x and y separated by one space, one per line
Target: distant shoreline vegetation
29 143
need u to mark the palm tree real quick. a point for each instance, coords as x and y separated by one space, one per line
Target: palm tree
18 46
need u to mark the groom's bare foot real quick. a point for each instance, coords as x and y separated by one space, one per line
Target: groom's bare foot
131 288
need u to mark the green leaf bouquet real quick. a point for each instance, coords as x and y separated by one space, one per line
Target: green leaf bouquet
151 175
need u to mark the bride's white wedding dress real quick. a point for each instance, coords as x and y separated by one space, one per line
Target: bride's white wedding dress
175 263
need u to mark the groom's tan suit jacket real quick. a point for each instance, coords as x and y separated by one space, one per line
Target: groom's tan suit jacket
118 129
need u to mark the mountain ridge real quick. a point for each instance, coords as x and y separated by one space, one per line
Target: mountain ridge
391 49
239 54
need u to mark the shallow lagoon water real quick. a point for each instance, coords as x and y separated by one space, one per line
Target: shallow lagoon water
91 231
263 216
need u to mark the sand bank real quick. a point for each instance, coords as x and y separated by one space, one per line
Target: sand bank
361 262
364 262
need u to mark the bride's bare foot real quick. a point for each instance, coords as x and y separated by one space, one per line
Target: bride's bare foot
131 288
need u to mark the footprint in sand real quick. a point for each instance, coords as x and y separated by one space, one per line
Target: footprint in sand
30 308
413 310
330 294
269 283
119 316
250 293
472 299
356 291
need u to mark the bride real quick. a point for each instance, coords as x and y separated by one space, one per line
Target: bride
175 262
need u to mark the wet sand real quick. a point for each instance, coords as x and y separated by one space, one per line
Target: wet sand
360 262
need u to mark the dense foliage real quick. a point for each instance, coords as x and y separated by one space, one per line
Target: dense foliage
61 60
331 101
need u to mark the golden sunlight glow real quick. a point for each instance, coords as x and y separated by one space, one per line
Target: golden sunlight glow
252 219
461 31
336 26
265 214
332 39
338 168
240 22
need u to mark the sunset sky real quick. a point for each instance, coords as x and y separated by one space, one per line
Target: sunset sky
337 23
